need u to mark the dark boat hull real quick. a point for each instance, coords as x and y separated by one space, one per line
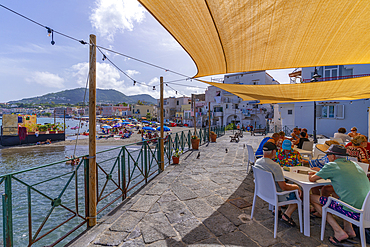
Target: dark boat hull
14 140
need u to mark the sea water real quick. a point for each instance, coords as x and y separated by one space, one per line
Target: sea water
20 158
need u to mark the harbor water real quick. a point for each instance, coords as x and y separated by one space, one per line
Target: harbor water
19 158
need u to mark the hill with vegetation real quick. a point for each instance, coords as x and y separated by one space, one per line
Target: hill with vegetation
76 96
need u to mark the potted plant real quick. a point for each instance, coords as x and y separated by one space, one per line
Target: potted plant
195 142
213 136
176 156
42 129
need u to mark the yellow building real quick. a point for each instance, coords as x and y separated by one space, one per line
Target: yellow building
140 111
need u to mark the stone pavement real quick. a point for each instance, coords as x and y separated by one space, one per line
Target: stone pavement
200 202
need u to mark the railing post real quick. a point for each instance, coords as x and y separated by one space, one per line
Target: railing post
87 196
123 173
146 161
7 213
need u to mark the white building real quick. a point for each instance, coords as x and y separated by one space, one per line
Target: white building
228 108
330 115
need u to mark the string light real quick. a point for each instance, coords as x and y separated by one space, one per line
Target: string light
51 32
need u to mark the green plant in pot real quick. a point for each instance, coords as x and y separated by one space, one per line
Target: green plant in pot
176 156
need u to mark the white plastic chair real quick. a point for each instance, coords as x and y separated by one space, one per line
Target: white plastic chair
364 166
266 190
354 159
251 157
364 216
308 146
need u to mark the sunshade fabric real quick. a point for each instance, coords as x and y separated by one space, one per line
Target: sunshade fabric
228 36
349 89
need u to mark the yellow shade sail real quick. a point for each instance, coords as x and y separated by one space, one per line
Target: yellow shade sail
228 36
348 89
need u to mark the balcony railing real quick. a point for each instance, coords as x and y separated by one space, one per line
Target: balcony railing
337 77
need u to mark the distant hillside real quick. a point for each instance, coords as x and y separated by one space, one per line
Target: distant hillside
74 96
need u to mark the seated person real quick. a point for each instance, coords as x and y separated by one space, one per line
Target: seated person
342 135
286 156
350 184
281 139
295 136
359 143
274 138
305 131
259 151
302 139
266 163
353 132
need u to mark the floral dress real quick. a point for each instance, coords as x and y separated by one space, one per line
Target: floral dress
293 158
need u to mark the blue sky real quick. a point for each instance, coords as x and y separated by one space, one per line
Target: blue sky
30 66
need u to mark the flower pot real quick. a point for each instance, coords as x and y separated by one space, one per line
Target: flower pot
195 144
52 132
175 160
42 132
213 138
30 133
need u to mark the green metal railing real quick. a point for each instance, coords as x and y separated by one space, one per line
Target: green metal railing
59 200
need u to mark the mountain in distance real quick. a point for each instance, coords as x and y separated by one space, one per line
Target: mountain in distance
74 96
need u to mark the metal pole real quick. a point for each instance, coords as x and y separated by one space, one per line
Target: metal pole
209 121
161 141
314 122
7 213
92 133
64 116
195 121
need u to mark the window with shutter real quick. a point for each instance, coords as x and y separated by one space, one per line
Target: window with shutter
340 112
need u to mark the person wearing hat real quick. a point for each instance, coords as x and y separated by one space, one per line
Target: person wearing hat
286 156
358 149
353 132
266 163
351 185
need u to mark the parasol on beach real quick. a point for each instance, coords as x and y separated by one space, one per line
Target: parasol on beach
106 127
148 128
74 128
165 128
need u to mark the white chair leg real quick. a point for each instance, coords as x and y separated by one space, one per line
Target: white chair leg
271 207
362 236
254 203
323 223
300 217
276 221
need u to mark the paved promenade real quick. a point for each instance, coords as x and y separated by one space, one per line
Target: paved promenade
200 202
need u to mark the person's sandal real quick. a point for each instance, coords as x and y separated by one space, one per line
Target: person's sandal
288 221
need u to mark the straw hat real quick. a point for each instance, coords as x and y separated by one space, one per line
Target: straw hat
324 147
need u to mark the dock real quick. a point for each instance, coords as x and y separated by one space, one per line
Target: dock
203 201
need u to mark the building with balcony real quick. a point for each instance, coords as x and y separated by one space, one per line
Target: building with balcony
171 106
228 108
330 115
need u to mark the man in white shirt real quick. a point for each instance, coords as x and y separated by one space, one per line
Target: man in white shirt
342 135
266 163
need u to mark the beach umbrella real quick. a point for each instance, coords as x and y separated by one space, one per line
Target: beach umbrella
117 125
165 128
145 121
148 128
107 127
125 123
74 128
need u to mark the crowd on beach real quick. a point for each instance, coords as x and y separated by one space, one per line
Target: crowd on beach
343 155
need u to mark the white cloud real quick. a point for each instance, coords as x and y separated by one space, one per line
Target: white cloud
46 79
106 75
132 72
111 16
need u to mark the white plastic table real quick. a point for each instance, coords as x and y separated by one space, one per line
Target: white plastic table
306 185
